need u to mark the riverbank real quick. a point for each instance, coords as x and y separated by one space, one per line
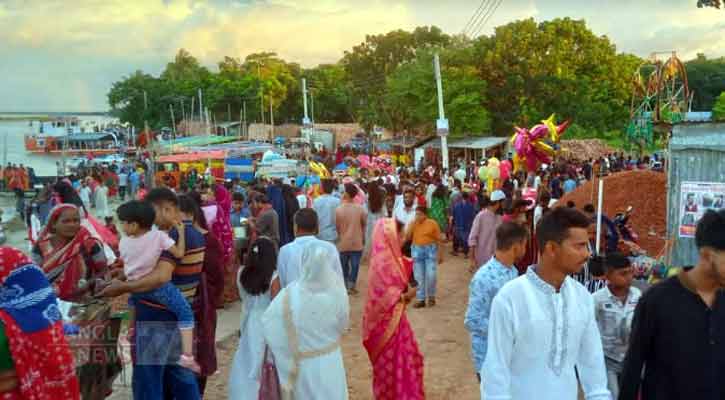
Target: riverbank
41 118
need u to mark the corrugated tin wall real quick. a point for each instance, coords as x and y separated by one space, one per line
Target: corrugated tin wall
690 164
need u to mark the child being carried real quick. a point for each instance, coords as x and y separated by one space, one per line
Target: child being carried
140 250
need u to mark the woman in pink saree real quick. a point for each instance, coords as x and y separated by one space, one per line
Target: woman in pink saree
387 334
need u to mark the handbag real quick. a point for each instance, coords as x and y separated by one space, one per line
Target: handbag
269 387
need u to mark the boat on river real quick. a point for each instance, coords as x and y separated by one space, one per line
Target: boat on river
69 136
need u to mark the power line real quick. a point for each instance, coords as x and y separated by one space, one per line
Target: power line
474 17
475 29
485 21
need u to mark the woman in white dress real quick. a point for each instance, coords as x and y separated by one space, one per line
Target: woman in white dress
102 201
254 290
303 327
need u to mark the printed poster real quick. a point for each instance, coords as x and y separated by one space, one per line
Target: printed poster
696 198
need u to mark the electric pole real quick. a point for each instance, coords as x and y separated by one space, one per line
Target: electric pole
442 122
305 119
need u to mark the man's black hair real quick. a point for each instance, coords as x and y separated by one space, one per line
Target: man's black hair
160 195
328 185
261 198
508 234
589 208
570 204
140 212
237 197
306 219
351 190
711 230
554 226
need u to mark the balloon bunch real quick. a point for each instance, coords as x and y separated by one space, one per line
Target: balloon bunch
319 169
538 145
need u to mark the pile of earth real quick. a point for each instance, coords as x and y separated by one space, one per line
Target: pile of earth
585 149
645 191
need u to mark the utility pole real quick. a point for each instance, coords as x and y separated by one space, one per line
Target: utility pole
442 122
173 121
271 118
183 115
312 111
244 120
261 91
305 119
201 108
65 145
149 142
229 112
191 110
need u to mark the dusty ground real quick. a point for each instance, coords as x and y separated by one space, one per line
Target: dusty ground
441 335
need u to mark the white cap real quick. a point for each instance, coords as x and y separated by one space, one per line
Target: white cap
498 195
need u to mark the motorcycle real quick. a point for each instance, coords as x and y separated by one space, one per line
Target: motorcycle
626 232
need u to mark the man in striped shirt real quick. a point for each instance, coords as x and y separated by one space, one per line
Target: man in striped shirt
156 342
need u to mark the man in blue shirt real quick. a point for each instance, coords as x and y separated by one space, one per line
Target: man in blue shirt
569 184
133 180
511 240
325 206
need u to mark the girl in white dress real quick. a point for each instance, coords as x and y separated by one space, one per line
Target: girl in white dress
254 283
303 326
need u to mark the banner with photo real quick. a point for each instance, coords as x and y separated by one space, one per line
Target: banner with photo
696 198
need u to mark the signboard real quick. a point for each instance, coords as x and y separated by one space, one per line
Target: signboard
695 199
442 127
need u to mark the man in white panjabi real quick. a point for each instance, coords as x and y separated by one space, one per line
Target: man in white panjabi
303 327
542 324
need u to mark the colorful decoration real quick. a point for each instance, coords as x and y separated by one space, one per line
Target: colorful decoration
493 173
504 170
539 144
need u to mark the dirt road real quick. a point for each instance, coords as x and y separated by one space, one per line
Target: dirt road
443 339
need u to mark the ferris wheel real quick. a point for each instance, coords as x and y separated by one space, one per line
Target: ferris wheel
660 98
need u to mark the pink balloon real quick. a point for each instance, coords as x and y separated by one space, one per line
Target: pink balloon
505 169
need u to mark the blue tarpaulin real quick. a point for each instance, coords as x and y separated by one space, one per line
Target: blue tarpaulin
239 168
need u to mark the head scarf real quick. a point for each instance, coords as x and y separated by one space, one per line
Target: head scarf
321 315
28 309
222 226
65 267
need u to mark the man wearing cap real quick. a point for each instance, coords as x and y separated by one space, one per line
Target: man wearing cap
482 239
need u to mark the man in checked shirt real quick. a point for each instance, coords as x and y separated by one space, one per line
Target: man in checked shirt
614 307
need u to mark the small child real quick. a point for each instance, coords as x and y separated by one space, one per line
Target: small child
140 250
614 307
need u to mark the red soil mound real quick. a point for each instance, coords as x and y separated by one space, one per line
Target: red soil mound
645 191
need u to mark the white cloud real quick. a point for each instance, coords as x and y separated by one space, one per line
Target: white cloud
66 53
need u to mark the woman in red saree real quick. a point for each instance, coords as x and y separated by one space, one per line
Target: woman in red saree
387 334
35 360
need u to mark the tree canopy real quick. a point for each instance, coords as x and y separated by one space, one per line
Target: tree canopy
519 75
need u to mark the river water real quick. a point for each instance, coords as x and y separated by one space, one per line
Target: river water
43 164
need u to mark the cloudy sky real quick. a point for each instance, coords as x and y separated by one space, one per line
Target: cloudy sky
63 55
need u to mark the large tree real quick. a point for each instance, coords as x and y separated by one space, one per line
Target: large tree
534 69
706 78
370 63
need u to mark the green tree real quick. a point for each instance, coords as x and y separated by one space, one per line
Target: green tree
370 63
411 97
535 69
126 99
706 79
718 110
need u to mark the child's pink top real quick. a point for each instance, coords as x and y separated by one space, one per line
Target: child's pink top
140 254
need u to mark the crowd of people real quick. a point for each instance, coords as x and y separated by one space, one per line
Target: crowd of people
546 315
